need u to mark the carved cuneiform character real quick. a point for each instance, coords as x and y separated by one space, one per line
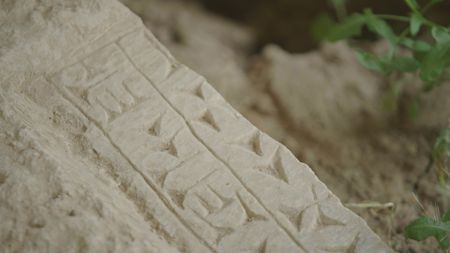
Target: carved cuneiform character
225 214
312 217
155 128
262 248
199 92
208 119
178 192
274 167
250 142
104 83
146 56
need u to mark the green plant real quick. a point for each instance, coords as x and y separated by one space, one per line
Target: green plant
427 59
425 226
441 153
339 7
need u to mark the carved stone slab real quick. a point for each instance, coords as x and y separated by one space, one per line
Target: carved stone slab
108 144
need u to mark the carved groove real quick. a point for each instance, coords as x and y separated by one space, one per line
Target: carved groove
208 119
251 142
275 167
294 217
250 214
169 146
198 92
221 232
177 197
325 220
155 129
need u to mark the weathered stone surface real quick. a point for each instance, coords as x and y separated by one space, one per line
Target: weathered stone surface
108 144
185 28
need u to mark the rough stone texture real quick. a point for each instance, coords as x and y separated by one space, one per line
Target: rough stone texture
108 144
209 45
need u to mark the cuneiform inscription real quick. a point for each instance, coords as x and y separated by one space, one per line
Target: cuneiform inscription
274 167
105 84
311 217
224 214
106 95
150 61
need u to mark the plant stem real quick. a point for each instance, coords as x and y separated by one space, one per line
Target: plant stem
403 19
423 10
393 17
341 11
428 6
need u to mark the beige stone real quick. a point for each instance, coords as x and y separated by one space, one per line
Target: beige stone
207 44
108 144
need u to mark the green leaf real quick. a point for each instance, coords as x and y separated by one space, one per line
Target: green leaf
371 61
434 63
424 227
405 64
351 26
446 216
442 239
416 45
412 4
415 23
440 34
321 26
380 27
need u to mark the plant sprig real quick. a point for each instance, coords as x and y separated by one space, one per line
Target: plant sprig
425 227
441 153
428 59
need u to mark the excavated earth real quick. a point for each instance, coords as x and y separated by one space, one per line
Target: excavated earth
109 144
325 108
